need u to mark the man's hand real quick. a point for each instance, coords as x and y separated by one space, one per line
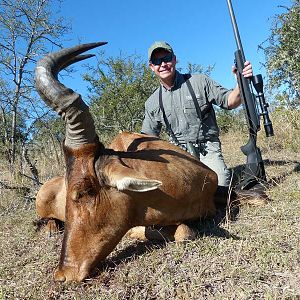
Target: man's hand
234 99
247 71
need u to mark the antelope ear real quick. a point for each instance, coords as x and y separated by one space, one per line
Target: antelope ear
124 178
137 184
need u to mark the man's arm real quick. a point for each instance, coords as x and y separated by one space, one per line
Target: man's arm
150 125
234 98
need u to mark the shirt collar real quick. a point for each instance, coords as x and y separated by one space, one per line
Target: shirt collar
177 81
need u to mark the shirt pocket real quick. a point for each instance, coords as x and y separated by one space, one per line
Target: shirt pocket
189 108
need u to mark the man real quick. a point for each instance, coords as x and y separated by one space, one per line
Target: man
173 105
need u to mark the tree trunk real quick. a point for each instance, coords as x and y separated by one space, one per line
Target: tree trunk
13 139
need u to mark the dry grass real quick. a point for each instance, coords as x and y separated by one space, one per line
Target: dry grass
255 254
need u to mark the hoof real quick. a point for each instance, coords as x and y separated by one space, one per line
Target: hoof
177 233
137 233
59 276
184 233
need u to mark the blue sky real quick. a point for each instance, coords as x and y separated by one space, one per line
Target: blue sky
199 31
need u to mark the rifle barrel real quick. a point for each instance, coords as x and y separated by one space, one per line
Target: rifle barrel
235 29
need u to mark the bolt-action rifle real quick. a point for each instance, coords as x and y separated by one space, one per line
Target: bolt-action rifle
254 171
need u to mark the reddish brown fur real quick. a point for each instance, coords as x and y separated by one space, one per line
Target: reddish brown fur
51 199
98 215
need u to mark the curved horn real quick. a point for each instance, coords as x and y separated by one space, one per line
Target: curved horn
80 126
49 66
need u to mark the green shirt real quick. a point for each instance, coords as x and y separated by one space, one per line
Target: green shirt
180 109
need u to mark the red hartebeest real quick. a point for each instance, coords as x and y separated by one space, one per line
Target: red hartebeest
139 180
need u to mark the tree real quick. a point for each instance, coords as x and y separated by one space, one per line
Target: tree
198 69
283 55
27 30
118 89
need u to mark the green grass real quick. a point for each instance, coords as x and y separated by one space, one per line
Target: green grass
255 255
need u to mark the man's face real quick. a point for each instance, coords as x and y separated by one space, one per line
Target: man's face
164 70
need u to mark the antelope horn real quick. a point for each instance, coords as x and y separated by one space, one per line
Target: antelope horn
80 127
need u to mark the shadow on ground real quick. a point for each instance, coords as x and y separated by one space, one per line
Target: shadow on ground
237 171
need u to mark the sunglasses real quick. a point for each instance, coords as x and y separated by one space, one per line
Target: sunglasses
166 59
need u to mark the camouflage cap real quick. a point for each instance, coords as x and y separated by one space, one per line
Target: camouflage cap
159 45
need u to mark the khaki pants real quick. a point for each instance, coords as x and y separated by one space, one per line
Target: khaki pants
212 157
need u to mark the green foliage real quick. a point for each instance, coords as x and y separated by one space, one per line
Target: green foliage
119 89
6 132
286 123
230 120
197 69
283 54
50 127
